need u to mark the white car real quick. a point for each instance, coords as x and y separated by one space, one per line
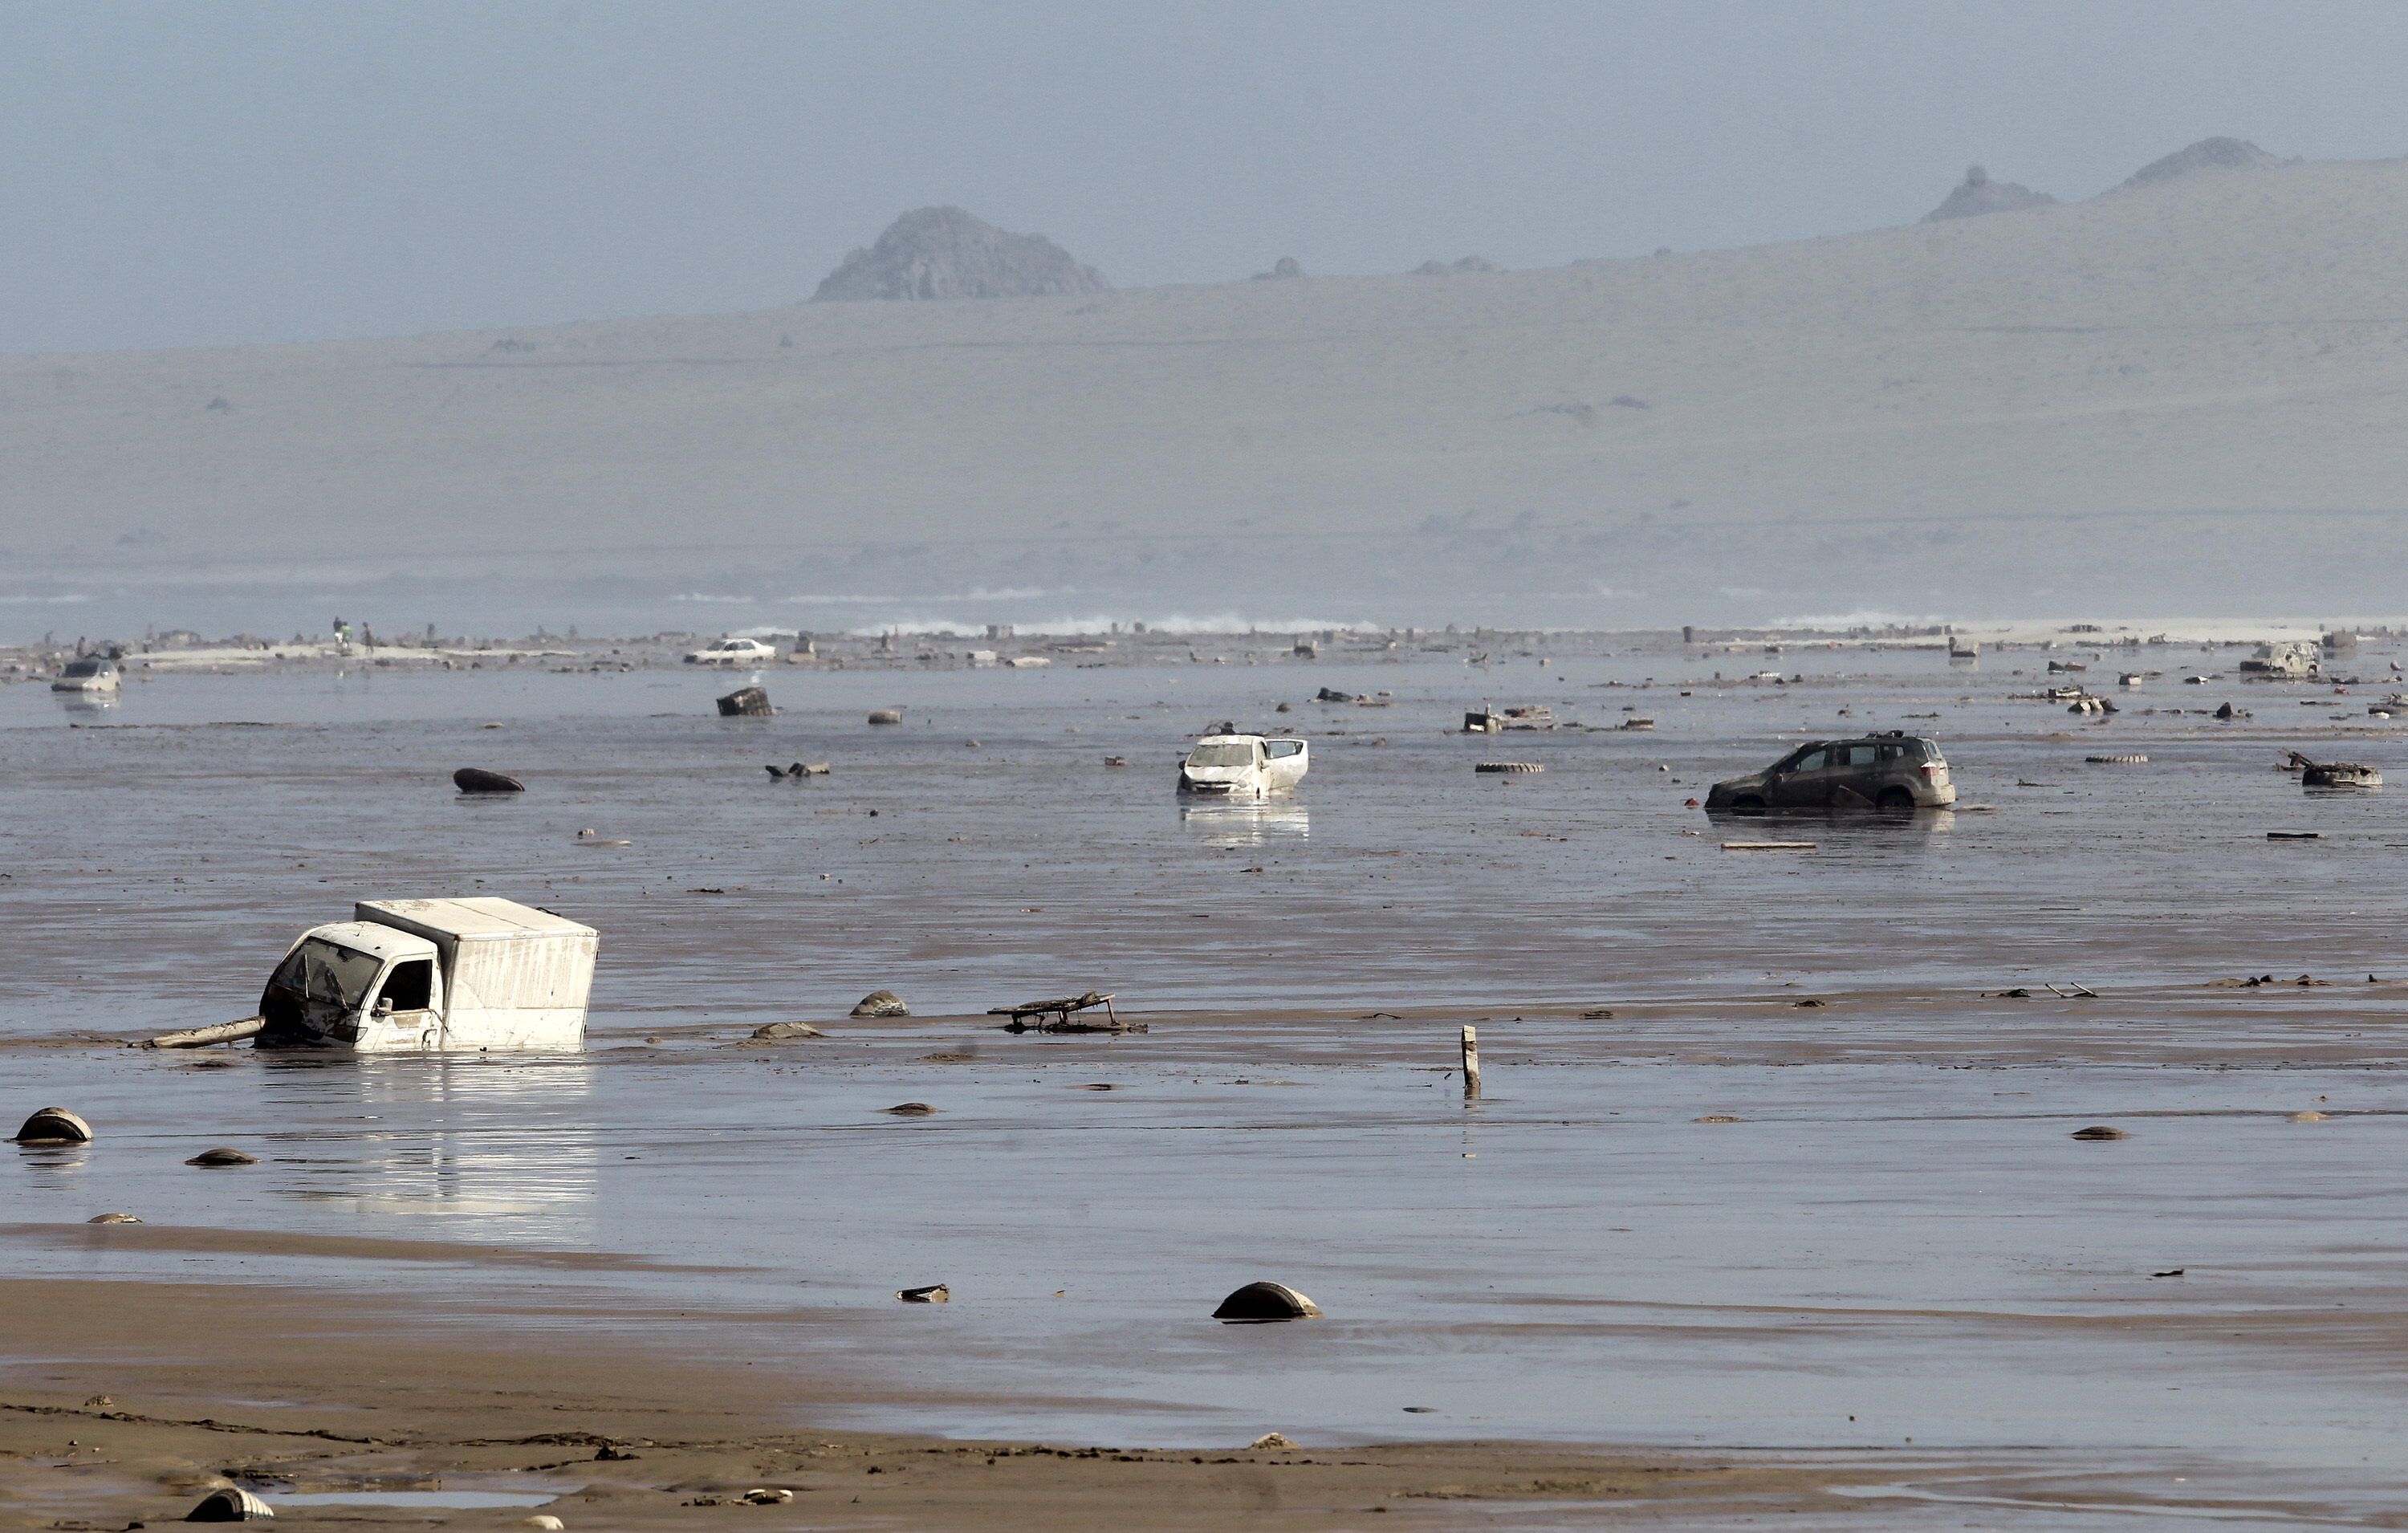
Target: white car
733 651
90 673
1244 765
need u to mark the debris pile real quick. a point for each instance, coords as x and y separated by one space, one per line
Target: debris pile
2333 774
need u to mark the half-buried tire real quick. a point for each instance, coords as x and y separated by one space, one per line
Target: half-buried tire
1257 1302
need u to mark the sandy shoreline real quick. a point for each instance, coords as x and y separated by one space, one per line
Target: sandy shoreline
126 1401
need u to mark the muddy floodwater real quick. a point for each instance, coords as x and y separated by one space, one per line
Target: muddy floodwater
1767 1160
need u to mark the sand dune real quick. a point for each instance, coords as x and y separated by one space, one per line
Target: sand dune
2185 396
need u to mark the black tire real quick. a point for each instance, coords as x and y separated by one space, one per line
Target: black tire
1747 804
1897 800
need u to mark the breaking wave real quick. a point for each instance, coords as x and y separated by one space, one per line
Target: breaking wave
1863 617
1210 622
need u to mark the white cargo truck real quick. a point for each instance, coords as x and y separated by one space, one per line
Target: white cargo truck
417 975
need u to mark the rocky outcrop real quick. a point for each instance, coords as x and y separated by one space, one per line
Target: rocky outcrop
2207 155
944 252
1978 194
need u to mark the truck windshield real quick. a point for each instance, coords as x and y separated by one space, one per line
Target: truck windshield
1227 754
319 970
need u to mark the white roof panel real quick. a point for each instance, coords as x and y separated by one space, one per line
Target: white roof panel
477 916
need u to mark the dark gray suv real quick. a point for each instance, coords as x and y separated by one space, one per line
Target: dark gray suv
1891 771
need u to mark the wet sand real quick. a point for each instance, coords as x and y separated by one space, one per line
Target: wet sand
152 1393
1895 1273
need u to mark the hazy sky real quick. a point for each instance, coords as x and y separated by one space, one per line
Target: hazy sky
179 174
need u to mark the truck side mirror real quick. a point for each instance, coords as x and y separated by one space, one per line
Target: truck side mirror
384 1006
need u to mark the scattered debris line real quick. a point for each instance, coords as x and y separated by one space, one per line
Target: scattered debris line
1768 846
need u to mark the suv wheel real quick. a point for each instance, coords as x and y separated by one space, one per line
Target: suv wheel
1896 798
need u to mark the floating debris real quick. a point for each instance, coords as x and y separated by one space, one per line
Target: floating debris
2333 774
1273 1439
200 1038
2100 1131
2121 759
1509 767
881 1003
885 715
222 1155
1768 846
910 1109
935 1293
779 1032
746 703
1062 1010
114 1219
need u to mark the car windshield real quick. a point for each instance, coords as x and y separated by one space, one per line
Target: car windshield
1225 754
321 971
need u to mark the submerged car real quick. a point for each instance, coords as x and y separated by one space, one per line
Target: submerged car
1892 771
733 651
91 673
1243 765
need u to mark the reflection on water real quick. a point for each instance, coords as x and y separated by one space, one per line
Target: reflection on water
1260 822
79 704
53 1162
508 1140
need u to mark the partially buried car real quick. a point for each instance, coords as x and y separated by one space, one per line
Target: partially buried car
1892 771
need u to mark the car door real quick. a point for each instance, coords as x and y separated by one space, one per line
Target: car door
1802 782
1856 774
409 1002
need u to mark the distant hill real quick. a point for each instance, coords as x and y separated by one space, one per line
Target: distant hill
2207 155
2195 400
1978 194
944 252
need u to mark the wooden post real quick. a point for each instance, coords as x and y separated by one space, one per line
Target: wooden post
1470 1061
